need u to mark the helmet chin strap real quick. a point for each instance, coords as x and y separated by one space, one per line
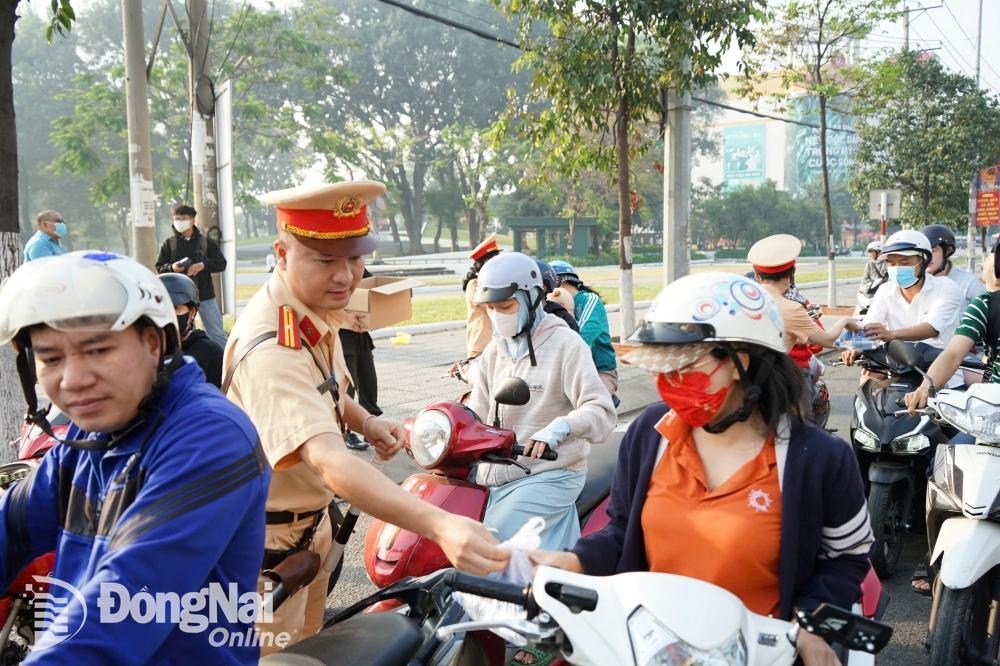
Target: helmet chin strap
751 393
39 417
532 308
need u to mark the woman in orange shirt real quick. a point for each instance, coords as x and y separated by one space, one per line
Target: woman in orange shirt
729 484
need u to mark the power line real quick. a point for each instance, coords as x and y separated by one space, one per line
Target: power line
955 19
239 29
494 38
479 19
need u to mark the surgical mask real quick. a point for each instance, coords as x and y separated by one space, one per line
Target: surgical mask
687 394
904 276
182 225
506 325
61 229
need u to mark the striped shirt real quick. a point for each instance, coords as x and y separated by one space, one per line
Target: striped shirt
973 326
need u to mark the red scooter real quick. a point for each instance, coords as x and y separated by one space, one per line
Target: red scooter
17 608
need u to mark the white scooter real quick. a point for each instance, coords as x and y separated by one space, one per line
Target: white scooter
642 619
963 526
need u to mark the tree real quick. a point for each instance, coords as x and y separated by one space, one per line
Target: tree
925 130
805 47
10 240
602 67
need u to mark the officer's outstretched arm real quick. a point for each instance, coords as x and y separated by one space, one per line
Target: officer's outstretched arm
466 542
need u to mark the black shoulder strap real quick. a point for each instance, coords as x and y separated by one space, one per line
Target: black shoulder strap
203 245
231 370
172 243
992 331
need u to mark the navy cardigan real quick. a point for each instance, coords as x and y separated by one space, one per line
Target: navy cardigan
825 532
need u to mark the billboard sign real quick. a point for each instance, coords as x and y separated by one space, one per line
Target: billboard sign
804 164
744 151
988 196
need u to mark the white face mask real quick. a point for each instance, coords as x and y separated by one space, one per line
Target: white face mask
506 325
182 225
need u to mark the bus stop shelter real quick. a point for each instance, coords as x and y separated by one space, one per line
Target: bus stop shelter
541 226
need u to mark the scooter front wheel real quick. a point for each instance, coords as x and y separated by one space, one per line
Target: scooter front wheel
886 508
963 631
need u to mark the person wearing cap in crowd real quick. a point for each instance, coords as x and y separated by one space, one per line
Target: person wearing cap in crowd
942 240
194 342
773 260
158 487
45 243
914 306
284 366
478 329
875 276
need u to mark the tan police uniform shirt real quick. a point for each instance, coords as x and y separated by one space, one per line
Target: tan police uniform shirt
276 386
478 327
799 326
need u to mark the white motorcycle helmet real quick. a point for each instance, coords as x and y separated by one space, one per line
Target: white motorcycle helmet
503 277
79 292
692 313
907 242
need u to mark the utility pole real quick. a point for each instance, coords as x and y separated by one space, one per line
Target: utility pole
971 249
906 27
140 161
203 162
676 187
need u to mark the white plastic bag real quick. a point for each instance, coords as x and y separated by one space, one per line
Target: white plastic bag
519 571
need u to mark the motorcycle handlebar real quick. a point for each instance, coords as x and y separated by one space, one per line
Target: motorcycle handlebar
491 588
548 454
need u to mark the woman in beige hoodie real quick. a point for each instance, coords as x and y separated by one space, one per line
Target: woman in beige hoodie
569 406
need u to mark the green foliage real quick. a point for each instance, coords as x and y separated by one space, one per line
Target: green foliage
61 20
925 130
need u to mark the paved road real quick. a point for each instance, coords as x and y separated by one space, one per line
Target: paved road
907 612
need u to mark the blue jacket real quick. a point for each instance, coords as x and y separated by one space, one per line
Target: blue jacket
825 533
42 245
167 510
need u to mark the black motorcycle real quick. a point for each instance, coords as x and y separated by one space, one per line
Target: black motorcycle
894 450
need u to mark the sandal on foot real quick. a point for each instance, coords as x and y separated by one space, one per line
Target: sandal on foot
539 658
920 578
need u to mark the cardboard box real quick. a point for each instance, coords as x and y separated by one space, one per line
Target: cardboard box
381 301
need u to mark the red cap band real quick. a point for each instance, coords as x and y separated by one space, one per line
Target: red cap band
774 269
349 221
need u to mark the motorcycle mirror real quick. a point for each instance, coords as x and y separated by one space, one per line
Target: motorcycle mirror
512 391
903 354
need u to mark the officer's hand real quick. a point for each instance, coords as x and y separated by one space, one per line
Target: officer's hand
468 545
386 436
878 332
849 356
195 269
534 449
814 651
916 399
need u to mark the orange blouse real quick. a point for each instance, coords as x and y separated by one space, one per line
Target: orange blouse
730 536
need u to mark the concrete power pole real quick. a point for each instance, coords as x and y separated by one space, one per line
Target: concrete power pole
203 167
971 249
140 161
906 27
676 187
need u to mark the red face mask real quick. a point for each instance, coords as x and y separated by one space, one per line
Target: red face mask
688 396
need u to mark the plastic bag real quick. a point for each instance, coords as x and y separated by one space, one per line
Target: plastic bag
519 570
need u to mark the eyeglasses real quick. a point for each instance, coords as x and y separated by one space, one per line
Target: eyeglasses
674 377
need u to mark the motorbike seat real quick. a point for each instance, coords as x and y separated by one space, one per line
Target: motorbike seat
376 639
600 468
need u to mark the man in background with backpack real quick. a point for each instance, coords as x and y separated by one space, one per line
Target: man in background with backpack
192 253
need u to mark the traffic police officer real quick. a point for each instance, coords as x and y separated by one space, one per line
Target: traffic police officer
285 368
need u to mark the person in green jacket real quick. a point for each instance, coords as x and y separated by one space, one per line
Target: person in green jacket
592 318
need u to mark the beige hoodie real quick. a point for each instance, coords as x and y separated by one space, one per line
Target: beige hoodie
564 384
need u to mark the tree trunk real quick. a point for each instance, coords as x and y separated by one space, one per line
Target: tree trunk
437 235
473 225
394 229
454 233
482 215
827 208
11 400
407 209
419 182
627 300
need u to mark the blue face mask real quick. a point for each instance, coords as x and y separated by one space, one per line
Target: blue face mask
904 276
61 229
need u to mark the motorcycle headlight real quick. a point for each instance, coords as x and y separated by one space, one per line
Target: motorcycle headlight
911 444
979 418
867 440
655 645
430 437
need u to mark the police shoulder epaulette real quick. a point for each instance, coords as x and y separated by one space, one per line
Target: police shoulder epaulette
288 328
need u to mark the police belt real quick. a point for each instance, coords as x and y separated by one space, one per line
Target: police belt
285 517
273 558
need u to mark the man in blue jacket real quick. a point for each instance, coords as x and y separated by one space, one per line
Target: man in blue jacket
154 502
